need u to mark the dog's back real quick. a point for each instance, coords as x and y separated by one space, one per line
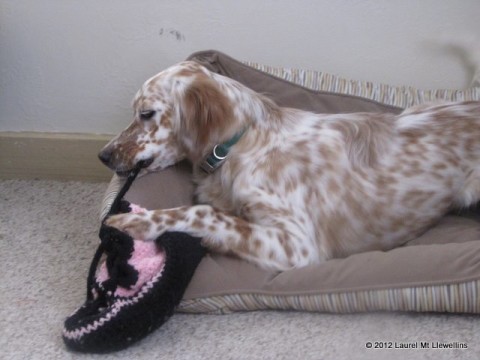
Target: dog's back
347 183
427 164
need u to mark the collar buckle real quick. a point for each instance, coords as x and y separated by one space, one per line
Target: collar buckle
219 153
213 161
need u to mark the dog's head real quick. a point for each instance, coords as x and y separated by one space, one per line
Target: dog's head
181 112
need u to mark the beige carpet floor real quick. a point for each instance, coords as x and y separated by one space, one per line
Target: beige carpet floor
48 234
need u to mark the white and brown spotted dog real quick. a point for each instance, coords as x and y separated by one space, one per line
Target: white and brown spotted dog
296 188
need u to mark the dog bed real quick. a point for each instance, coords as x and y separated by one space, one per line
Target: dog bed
439 271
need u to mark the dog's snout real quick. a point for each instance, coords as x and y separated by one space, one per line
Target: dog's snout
105 156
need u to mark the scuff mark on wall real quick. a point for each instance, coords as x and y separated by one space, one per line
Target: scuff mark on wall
172 33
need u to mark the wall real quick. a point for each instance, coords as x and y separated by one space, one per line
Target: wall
74 66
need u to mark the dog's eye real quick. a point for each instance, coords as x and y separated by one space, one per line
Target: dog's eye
147 115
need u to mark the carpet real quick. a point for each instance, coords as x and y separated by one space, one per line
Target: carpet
48 235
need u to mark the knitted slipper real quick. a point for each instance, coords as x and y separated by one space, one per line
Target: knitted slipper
135 290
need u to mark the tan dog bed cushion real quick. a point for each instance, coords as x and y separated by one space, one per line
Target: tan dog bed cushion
439 271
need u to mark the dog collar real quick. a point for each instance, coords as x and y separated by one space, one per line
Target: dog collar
219 153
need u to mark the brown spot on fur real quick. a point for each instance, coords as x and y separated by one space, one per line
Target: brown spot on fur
328 154
153 130
415 198
397 224
157 218
201 213
189 71
385 181
138 225
165 120
243 228
219 216
333 186
198 224
170 222
291 185
439 166
174 214
276 162
288 250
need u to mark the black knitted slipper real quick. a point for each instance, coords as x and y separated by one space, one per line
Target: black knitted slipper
135 290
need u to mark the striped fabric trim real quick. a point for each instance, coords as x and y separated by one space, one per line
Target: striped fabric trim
399 96
110 194
452 298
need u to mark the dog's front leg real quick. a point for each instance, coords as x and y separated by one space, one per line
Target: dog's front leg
266 246
200 220
148 225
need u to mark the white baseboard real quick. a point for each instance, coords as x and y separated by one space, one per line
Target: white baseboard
54 156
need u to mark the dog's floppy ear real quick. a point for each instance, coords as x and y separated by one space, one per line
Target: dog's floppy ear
205 112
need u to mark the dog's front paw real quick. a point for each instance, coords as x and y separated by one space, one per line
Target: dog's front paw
138 226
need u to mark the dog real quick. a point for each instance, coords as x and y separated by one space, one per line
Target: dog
285 188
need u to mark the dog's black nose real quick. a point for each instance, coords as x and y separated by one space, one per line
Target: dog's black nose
105 156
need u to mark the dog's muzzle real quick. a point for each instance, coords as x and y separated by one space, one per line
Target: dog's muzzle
106 156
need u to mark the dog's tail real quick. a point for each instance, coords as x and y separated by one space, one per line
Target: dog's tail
476 60
471 51
468 48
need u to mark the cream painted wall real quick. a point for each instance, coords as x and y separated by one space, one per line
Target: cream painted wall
73 66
